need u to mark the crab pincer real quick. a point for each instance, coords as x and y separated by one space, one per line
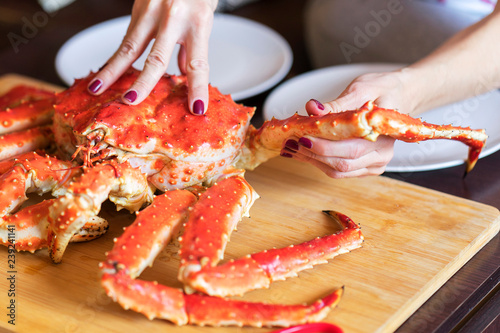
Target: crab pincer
154 228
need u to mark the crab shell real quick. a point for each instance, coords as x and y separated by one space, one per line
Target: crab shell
173 147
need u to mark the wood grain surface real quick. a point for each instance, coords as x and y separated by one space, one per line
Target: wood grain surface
415 240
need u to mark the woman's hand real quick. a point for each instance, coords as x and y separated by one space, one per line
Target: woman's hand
450 73
386 89
170 22
355 157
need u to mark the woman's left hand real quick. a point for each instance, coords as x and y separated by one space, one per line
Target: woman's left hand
342 159
354 157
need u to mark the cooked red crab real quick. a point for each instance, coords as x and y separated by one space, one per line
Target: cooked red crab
129 152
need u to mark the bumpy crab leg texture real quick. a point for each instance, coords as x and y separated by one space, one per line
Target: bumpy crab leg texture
26 115
32 172
211 222
125 186
144 239
215 311
368 122
259 270
22 110
137 248
31 227
22 94
21 142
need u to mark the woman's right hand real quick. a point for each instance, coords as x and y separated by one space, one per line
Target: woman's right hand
170 22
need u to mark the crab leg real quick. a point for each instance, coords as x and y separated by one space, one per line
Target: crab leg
207 232
16 143
368 122
32 172
144 239
125 186
22 110
23 94
26 115
7 164
31 227
259 270
215 216
137 248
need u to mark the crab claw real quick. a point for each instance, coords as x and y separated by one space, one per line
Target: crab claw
127 187
152 230
158 301
32 172
259 270
214 311
367 122
31 225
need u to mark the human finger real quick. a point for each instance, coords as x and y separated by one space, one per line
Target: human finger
348 100
132 46
154 67
181 59
315 108
336 173
197 67
374 157
350 149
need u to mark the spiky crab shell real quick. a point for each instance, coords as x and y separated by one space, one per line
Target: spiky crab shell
161 128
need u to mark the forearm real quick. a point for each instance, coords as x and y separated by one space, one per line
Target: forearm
466 65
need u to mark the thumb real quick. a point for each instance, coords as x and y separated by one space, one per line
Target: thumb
346 101
316 108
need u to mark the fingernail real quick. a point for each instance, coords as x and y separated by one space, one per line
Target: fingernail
318 104
305 142
95 86
130 96
292 144
286 154
198 107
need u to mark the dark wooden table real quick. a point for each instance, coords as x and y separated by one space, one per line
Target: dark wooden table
468 302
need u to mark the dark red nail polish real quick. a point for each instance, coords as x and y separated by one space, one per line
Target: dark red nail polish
318 104
305 142
130 96
198 107
286 154
95 86
292 144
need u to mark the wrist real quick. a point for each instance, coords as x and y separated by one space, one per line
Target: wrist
412 90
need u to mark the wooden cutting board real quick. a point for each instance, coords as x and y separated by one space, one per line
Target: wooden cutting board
415 240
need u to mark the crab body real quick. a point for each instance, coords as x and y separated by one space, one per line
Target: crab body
174 148
131 152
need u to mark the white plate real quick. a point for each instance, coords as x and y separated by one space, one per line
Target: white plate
326 84
246 57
